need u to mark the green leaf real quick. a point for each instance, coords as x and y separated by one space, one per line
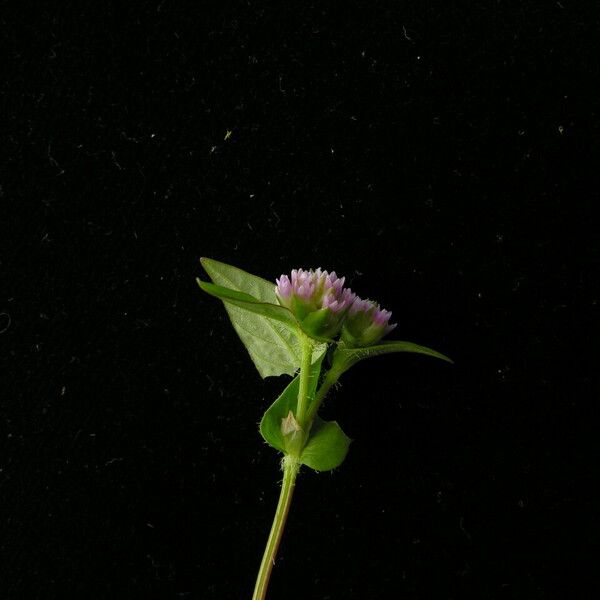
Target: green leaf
270 424
344 358
241 281
273 347
251 304
327 446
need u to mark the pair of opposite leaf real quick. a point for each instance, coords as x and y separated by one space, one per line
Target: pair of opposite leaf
273 321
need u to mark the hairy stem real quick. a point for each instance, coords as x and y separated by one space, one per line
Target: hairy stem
290 470
307 349
330 379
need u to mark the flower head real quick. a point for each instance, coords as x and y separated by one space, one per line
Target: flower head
317 298
366 323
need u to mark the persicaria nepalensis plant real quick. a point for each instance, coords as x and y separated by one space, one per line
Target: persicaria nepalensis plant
290 328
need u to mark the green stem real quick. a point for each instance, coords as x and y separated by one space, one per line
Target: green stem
330 379
307 349
290 470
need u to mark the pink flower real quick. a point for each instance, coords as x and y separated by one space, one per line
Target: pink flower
313 290
366 323
317 298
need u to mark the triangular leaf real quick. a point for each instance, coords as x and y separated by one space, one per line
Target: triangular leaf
270 424
273 347
327 446
344 358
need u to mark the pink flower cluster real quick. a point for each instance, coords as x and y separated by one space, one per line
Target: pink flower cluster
315 289
378 316
309 291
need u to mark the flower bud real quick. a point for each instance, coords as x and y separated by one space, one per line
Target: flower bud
317 298
365 323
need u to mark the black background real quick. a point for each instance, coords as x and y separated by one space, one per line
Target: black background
440 155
